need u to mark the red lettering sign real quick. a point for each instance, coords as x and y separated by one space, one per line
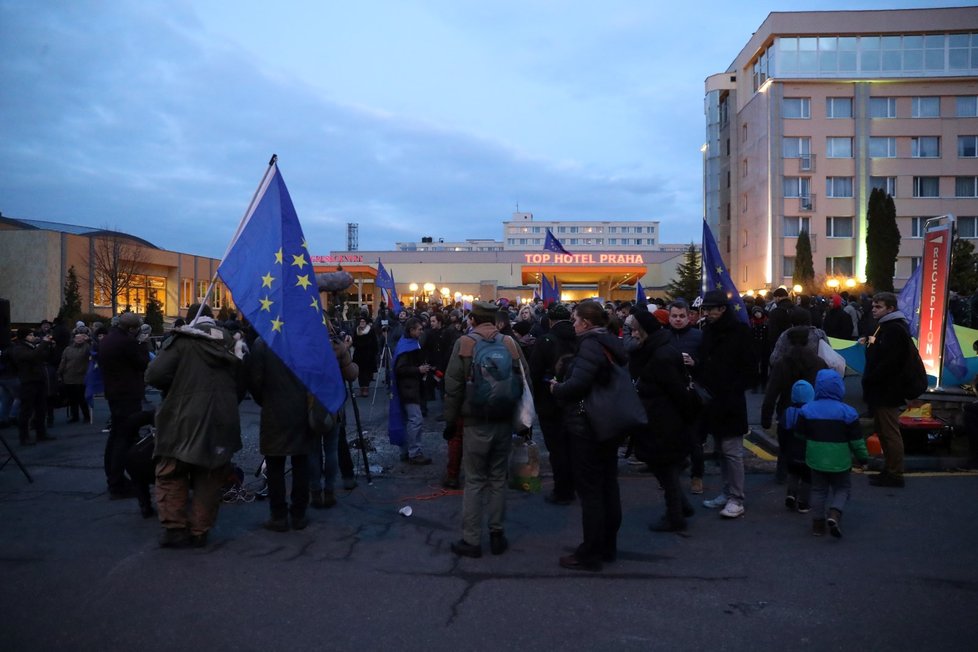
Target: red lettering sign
936 263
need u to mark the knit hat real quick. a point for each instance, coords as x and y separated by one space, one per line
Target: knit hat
662 315
780 293
558 312
836 301
645 319
484 309
129 320
802 392
715 298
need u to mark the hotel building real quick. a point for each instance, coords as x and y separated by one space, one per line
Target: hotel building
817 110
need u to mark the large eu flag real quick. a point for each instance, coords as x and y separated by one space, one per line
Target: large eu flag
716 276
268 271
640 298
553 244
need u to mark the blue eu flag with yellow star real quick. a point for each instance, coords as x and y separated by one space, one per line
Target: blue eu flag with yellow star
268 270
716 276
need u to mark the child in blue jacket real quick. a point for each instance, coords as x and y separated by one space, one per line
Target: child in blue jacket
832 434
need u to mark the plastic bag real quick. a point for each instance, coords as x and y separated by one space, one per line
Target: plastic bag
524 465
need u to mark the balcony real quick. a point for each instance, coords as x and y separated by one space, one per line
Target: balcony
806 163
807 203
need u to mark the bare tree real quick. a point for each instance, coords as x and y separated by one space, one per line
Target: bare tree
115 263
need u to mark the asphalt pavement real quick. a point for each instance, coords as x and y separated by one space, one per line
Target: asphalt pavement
81 571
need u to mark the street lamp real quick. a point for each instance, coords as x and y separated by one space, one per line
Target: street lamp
428 289
797 289
414 294
832 283
850 282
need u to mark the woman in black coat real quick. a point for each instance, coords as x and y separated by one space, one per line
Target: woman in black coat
663 389
594 463
365 353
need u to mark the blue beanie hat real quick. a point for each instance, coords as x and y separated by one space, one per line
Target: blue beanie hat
802 392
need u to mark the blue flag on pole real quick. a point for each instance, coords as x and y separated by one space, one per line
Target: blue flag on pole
908 301
386 283
553 244
274 286
640 298
546 290
716 276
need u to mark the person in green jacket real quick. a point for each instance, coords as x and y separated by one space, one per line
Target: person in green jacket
831 430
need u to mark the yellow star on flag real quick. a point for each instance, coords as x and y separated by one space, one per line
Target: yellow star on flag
315 304
266 280
299 261
304 244
719 269
303 281
277 325
266 304
278 256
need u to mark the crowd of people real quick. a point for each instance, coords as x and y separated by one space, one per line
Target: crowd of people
690 364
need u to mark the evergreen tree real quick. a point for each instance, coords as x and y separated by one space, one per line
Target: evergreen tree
71 306
964 268
804 266
154 316
882 241
689 279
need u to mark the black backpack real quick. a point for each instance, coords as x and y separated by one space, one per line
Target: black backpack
914 375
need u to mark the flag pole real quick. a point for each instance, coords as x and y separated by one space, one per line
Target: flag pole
241 225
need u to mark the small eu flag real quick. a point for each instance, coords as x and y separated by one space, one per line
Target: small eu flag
385 281
268 271
553 244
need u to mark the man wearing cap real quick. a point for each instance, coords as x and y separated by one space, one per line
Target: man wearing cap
780 318
29 355
123 361
486 443
726 368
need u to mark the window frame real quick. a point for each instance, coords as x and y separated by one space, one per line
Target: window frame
891 108
805 108
830 108
917 187
831 228
915 146
830 187
918 102
832 141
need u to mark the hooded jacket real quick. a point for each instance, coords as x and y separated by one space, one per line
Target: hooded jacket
727 367
830 427
284 402
799 362
661 386
198 421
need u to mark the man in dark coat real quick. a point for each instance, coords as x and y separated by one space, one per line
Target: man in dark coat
29 356
780 317
284 431
123 361
560 342
887 350
198 427
726 369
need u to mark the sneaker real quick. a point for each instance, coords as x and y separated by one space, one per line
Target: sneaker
791 502
716 503
634 461
497 542
833 521
803 507
696 486
463 549
733 509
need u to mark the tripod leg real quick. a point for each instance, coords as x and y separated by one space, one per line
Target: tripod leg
13 456
360 441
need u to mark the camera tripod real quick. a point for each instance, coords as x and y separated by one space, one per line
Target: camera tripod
11 455
385 364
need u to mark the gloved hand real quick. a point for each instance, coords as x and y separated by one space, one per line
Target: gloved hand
449 432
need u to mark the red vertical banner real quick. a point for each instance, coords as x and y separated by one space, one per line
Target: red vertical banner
936 263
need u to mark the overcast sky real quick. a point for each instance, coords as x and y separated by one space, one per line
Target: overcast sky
410 118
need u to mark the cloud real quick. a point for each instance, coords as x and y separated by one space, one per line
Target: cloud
130 115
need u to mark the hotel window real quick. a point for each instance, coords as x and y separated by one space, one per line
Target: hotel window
794 108
914 263
958 55
836 147
838 227
612 229
612 241
797 186
882 147
800 147
882 107
968 227
838 107
917 226
838 265
186 292
967 146
886 184
966 106
838 187
925 107
788 266
561 229
573 229
521 241
650 241
511 241
926 187
793 225
573 241
966 186
925 147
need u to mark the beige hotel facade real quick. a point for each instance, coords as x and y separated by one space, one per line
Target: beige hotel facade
819 108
